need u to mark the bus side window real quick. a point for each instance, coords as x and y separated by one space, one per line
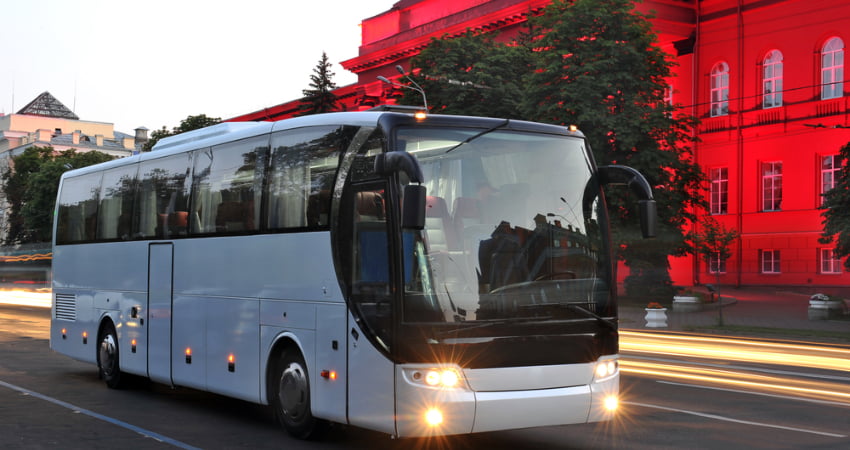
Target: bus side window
227 187
163 197
78 209
116 204
303 170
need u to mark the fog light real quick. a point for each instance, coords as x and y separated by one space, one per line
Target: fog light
611 403
433 417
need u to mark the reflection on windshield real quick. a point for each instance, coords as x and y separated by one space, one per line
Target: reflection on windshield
507 236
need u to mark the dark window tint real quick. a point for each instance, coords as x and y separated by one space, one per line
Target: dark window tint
77 219
226 187
163 203
115 214
301 178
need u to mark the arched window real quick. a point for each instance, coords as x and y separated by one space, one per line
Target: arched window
720 89
832 69
772 80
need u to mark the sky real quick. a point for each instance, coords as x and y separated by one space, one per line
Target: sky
152 63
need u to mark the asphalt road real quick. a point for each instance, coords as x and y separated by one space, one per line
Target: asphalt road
49 401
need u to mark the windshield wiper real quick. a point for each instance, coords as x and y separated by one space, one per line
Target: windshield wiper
576 307
490 323
476 136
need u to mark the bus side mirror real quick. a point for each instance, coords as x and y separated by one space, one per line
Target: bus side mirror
648 218
413 207
627 176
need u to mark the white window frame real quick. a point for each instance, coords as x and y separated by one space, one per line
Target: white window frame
829 264
772 80
771 186
770 261
829 169
719 195
719 85
832 69
716 264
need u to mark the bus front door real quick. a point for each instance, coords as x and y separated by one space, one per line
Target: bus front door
160 280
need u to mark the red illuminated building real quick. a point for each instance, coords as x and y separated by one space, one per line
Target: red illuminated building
765 77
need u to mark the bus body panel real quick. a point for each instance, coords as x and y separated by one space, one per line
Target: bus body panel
189 347
160 317
328 399
371 384
232 347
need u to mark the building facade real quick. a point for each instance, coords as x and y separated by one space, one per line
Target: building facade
44 122
765 77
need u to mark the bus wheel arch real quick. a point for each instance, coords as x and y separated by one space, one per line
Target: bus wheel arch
289 393
108 355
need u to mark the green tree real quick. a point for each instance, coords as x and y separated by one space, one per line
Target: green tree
319 98
598 67
472 75
188 124
30 185
712 240
836 211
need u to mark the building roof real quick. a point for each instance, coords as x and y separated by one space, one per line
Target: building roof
47 105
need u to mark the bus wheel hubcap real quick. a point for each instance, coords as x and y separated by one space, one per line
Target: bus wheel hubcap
293 391
107 354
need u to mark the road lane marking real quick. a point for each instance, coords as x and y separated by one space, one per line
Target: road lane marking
763 394
729 419
77 409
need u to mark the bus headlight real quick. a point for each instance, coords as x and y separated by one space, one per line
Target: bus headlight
436 377
605 368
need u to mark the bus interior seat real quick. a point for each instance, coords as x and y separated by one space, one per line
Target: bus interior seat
369 206
438 225
234 216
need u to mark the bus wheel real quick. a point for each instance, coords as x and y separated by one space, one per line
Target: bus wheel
107 357
290 396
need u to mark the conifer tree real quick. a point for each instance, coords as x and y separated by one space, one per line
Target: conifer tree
319 98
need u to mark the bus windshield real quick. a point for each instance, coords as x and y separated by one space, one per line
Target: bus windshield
513 237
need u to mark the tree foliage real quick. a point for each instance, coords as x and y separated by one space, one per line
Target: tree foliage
836 214
30 185
472 75
593 64
319 98
188 124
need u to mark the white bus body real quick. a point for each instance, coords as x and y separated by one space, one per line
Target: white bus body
241 259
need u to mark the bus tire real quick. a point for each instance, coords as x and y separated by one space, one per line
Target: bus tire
290 396
108 356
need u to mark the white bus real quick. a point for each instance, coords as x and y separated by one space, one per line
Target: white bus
414 276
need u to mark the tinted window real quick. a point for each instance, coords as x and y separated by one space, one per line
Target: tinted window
301 179
116 204
77 220
163 197
226 187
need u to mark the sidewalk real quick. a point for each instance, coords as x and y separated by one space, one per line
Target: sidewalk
762 307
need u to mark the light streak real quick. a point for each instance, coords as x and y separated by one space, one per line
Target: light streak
747 350
695 352
40 298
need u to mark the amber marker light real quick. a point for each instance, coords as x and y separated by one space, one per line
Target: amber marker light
64 333
231 363
133 346
85 337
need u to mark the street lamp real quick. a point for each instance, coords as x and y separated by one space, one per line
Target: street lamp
417 88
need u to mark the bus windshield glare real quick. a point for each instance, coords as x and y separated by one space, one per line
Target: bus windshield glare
511 246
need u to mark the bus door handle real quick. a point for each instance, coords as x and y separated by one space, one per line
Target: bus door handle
355 334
